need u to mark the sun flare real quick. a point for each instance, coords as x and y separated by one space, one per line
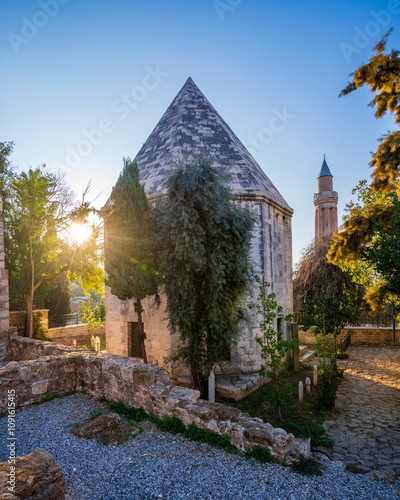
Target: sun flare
80 233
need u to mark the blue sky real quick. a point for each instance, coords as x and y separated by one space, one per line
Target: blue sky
68 65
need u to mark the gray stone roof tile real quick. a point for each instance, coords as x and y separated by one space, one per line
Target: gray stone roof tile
191 127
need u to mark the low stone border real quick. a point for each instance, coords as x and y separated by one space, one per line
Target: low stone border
37 369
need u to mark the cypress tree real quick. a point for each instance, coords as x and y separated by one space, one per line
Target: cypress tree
205 242
131 253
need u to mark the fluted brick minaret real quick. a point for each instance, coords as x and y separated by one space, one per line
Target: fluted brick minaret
325 201
4 297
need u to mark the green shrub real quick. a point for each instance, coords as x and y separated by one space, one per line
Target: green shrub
326 391
104 440
309 430
172 425
206 436
308 467
136 414
342 354
95 414
261 454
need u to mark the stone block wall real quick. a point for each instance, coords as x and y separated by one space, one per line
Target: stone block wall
67 334
372 336
18 319
359 335
37 369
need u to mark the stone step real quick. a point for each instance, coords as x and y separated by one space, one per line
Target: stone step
303 349
306 358
234 386
182 381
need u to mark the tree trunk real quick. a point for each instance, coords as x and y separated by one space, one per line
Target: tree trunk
29 314
139 310
198 382
278 399
29 309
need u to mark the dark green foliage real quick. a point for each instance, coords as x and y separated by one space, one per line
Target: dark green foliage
56 296
307 467
206 436
261 454
136 414
131 253
39 331
172 425
104 440
326 390
311 430
383 254
205 242
95 414
342 354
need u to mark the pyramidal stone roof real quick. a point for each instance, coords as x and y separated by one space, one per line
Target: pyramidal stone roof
191 128
324 172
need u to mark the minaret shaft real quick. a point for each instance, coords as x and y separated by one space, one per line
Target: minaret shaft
325 202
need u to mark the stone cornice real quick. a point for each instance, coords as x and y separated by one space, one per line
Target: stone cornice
326 197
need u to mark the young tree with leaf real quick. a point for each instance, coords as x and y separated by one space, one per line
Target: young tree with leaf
132 256
205 242
41 210
373 259
273 346
370 233
325 296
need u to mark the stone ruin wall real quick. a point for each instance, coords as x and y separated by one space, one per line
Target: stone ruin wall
36 369
4 296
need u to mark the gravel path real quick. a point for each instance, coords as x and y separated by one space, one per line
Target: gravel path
159 465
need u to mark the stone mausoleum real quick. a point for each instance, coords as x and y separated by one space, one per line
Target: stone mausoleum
192 128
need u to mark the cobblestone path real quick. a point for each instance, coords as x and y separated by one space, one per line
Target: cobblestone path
366 421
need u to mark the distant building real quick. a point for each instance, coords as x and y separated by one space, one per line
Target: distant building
325 201
191 128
